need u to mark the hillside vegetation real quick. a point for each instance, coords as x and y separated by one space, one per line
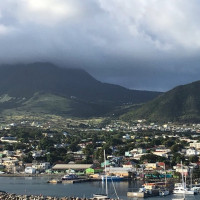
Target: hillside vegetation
180 104
43 88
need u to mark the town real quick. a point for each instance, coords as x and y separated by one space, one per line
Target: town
133 150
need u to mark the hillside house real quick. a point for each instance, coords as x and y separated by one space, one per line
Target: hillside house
196 145
192 152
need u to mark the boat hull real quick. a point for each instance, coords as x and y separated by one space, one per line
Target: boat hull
111 178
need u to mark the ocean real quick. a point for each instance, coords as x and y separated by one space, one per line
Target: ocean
39 185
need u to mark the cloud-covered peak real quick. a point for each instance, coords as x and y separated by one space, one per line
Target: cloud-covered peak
138 43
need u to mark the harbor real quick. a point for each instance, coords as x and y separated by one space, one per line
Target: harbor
37 187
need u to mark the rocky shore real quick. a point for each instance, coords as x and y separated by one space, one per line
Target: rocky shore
7 196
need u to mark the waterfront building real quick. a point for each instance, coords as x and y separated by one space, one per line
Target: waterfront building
76 167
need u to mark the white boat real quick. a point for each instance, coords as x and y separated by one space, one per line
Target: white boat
183 190
69 177
111 178
180 188
196 189
100 196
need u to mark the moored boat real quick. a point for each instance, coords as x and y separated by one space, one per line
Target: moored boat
100 196
164 192
180 189
54 181
196 189
69 177
111 178
103 196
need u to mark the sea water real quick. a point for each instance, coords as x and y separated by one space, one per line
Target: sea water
39 185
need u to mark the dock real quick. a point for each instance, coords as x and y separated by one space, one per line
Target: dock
79 180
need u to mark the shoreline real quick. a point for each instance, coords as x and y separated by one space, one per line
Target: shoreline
31 175
9 196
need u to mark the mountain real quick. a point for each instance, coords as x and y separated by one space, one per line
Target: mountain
46 88
181 104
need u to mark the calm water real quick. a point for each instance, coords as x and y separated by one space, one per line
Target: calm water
39 185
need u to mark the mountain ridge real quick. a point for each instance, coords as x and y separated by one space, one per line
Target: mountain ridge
181 104
75 87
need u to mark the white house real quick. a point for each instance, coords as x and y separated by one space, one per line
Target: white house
30 170
192 152
195 145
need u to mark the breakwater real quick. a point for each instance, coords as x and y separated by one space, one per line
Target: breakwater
7 196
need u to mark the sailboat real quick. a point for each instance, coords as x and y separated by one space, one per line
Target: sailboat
103 196
181 188
196 189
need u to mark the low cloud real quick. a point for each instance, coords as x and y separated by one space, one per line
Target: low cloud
141 44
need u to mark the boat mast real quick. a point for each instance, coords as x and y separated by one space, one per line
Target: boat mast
182 174
105 172
191 177
165 177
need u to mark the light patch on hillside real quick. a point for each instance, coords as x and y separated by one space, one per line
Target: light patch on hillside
5 98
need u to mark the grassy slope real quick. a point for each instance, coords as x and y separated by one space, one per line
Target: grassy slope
43 104
180 104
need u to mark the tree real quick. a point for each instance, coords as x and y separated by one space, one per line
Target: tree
28 158
193 159
151 158
177 158
169 142
176 147
74 147
8 147
46 143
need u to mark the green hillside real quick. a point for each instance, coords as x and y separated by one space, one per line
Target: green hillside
43 104
179 104
43 88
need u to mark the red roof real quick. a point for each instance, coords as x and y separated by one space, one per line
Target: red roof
161 163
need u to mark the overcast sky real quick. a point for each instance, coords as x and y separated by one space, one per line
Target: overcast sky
140 44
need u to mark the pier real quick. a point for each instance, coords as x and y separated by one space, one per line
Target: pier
80 180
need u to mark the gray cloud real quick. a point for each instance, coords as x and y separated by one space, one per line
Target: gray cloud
141 44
